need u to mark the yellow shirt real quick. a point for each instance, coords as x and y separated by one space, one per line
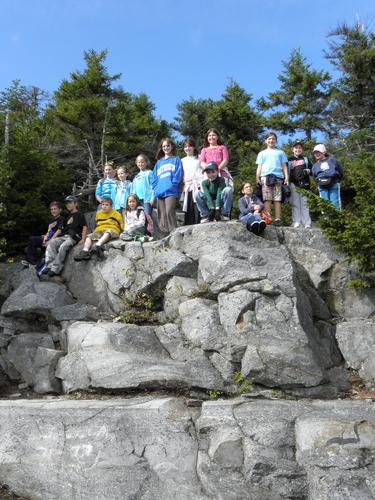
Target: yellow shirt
111 221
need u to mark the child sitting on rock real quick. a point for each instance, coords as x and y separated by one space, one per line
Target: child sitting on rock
214 200
109 224
135 219
250 209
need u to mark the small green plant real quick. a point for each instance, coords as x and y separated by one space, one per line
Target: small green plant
202 290
276 393
358 283
141 307
245 385
214 394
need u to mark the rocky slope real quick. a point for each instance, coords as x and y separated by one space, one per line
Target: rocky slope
271 317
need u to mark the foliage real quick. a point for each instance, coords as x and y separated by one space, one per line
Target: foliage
301 103
140 308
245 385
214 394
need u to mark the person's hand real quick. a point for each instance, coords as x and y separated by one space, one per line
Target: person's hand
152 202
211 215
217 214
257 208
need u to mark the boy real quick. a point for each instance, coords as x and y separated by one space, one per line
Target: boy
272 172
74 232
41 241
214 200
109 225
299 171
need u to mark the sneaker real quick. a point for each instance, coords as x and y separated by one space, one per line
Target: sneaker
82 256
225 218
99 252
203 221
277 223
262 226
254 228
295 225
308 226
25 263
51 274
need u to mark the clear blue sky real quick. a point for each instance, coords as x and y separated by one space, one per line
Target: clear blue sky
169 49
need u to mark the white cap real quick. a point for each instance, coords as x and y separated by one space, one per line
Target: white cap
321 148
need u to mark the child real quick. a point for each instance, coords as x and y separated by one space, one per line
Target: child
54 230
215 199
192 179
135 219
74 232
272 172
142 183
299 171
214 151
250 209
123 186
327 172
109 224
106 187
166 179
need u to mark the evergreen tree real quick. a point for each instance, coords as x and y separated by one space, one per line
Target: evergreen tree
352 53
301 102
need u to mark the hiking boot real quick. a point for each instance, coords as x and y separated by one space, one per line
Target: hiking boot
203 221
254 227
51 274
262 227
82 256
225 218
99 252
277 223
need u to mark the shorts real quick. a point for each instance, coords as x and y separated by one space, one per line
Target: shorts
98 234
273 193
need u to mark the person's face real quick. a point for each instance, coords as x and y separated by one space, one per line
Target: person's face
189 150
71 206
108 171
247 190
212 174
141 163
297 150
167 148
132 202
271 141
121 174
55 211
318 155
106 207
212 138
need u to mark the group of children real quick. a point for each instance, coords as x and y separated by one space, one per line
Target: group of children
205 188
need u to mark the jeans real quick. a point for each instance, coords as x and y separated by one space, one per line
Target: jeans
226 200
250 218
56 252
331 194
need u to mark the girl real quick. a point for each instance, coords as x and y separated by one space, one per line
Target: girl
166 179
135 219
250 209
142 183
192 179
272 172
106 187
122 190
214 151
327 172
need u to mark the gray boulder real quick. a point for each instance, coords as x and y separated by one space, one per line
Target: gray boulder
120 356
356 339
31 300
75 312
43 371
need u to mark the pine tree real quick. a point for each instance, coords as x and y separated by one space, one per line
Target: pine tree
301 102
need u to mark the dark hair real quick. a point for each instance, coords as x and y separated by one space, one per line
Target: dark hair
55 204
244 184
132 195
298 143
270 134
220 141
145 157
160 152
122 167
108 200
191 142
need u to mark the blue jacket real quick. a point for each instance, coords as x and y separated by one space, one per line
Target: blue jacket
106 188
122 193
248 208
167 177
328 167
142 186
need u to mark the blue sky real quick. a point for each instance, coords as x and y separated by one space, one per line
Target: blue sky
169 49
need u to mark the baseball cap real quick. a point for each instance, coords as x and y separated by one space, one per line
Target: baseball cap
321 148
211 166
71 198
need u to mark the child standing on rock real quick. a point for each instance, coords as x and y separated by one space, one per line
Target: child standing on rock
106 187
272 172
192 181
250 209
299 172
166 179
122 190
327 172
214 151
142 183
